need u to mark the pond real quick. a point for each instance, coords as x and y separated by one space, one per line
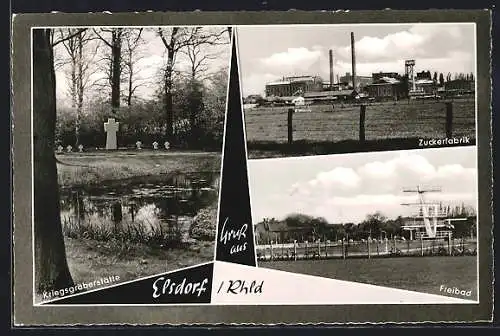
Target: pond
152 208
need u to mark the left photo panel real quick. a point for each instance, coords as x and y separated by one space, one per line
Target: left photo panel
128 126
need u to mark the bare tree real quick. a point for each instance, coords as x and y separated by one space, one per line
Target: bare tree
115 72
80 58
200 52
131 42
51 267
176 39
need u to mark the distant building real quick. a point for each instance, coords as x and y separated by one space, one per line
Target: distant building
376 76
427 86
252 99
459 86
294 86
387 88
280 232
424 75
361 81
330 96
335 86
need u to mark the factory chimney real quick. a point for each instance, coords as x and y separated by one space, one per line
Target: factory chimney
353 53
330 53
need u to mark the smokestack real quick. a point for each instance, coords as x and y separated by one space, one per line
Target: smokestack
353 53
331 68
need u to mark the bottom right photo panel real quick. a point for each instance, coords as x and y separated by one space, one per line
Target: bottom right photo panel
405 220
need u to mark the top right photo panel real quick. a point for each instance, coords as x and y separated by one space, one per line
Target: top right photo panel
329 89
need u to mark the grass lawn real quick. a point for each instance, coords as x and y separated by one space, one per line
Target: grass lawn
99 166
421 274
326 130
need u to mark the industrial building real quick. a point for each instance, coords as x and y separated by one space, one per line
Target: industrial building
378 86
293 86
387 85
361 81
460 86
329 96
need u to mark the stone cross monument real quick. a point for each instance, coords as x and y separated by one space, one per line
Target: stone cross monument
111 127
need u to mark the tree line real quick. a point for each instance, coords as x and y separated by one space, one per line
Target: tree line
303 227
104 75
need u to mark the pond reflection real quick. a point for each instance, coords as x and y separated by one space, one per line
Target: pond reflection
146 206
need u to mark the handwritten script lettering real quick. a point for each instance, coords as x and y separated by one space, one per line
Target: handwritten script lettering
165 286
241 287
231 235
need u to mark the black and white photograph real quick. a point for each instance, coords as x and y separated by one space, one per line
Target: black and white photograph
128 127
255 168
395 219
328 89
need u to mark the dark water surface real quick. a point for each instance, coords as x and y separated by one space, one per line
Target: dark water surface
167 202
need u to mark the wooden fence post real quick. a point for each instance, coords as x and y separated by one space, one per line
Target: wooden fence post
362 112
449 120
295 250
421 245
290 126
449 243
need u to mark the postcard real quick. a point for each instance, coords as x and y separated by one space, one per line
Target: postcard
197 169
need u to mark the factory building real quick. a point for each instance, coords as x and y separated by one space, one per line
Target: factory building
329 96
361 81
459 86
386 88
294 86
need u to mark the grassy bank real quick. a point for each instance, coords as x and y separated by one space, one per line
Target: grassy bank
97 167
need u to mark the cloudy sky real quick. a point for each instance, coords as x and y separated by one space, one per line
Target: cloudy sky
271 52
346 188
152 59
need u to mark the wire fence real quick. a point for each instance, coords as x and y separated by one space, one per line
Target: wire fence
367 121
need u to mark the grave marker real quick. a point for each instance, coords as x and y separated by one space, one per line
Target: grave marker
111 127
69 148
138 144
155 145
167 145
60 149
80 148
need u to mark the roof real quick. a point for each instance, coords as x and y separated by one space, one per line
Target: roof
424 81
323 94
280 226
279 83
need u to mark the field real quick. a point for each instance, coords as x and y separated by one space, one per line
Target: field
421 274
402 122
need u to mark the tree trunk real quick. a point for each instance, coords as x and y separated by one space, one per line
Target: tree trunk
51 268
168 103
79 103
116 51
130 81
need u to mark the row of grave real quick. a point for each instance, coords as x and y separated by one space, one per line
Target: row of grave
138 145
